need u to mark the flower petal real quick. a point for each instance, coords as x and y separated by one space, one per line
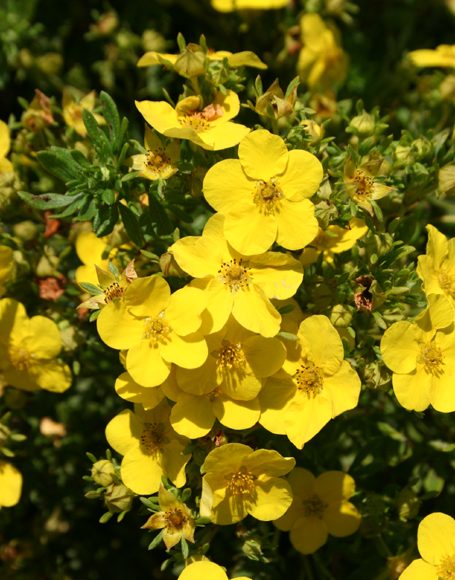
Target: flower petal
273 498
342 519
146 365
413 390
335 486
192 416
263 155
420 570
297 224
302 176
308 535
236 414
227 188
254 311
141 473
123 432
399 347
250 232
10 484
436 537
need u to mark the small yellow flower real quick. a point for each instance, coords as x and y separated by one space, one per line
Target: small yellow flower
316 384
207 570
5 144
263 194
171 61
320 507
334 240
208 126
421 355
29 348
10 484
239 481
111 287
436 543
150 448
158 329
237 284
362 185
231 5
7 267
72 111
442 56
436 268
174 518
159 160
322 62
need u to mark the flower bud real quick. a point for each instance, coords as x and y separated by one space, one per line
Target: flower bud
103 472
118 498
446 180
313 130
25 230
191 62
363 124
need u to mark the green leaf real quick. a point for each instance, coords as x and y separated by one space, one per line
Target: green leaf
110 113
130 221
185 549
61 163
105 220
97 136
90 288
48 200
156 540
159 215
108 196
75 206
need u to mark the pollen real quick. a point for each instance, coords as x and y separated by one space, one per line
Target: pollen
235 275
267 196
309 379
364 184
157 330
113 292
241 483
230 356
175 518
20 358
447 282
431 358
157 159
196 121
314 507
446 568
153 438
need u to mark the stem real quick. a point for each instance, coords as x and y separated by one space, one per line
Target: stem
306 566
321 567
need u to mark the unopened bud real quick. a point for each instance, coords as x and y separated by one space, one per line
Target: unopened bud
118 498
362 124
191 63
103 472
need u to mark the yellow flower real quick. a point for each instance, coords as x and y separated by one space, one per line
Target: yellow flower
28 350
320 507
10 484
158 329
5 144
150 448
334 240
72 111
316 384
362 185
235 284
207 570
422 358
7 267
110 287
208 126
159 160
239 481
226 386
262 195
231 5
436 268
174 518
322 62
443 56
172 61
436 543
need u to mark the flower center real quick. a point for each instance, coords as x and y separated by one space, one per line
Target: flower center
267 196
363 183
446 568
230 356
235 275
157 330
153 437
175 518
314 507
431 358
20 357
309 379
113 292
241 483
156 159
447 282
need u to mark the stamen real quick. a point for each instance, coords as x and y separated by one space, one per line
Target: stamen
175 518
157 330
157 159
153 437
446 568
431 359
241 483
230 356
235 275
20 358
447 282
195 120
314 507
364 184
309 379
267 196
113 292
